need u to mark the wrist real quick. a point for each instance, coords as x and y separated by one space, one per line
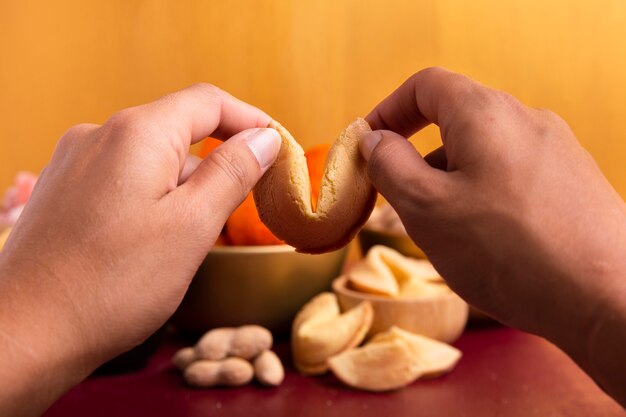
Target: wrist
43 349
604 354
590 323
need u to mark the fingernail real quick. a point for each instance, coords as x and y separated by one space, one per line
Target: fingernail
264 144
368 143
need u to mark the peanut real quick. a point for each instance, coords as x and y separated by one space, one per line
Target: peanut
215 344
244 342
184 357
268 369
227 372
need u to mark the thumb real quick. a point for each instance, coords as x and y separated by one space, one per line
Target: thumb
227 175
399 172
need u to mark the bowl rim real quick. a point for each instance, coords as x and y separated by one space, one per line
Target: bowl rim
339 286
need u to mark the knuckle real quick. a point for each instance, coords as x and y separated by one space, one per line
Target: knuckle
129 123
72 137
122 117
121 120
478 109
65 142
208 89
477 97
502 101
429 72
546 113
78 131
466 99
231 166
549 126
552 118
463 92
457 85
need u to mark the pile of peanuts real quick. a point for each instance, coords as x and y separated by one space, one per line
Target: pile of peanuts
231 356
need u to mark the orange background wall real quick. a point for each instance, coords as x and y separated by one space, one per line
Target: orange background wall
313 65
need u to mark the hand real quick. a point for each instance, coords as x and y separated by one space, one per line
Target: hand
511 210
115 229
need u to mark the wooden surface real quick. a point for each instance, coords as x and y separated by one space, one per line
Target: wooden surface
313 65
503 373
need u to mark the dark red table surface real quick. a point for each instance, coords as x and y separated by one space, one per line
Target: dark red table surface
503 372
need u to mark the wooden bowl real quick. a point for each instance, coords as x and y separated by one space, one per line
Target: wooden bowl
369 238
400 242
264 285
441 317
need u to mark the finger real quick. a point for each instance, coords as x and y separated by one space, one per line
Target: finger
438 159
191 163
190 115
398 171
225 177
203 110
428 96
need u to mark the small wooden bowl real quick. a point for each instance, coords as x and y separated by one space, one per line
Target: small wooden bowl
400 242
442 317
369 238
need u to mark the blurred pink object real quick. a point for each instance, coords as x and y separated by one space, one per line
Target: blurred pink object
16 197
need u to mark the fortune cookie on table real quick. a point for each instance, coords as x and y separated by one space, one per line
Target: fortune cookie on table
392 360
320 331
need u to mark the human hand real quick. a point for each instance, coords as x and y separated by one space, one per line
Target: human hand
116 227
512 211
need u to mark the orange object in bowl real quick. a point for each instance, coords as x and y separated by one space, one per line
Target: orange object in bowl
315 161
244 227
207 146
